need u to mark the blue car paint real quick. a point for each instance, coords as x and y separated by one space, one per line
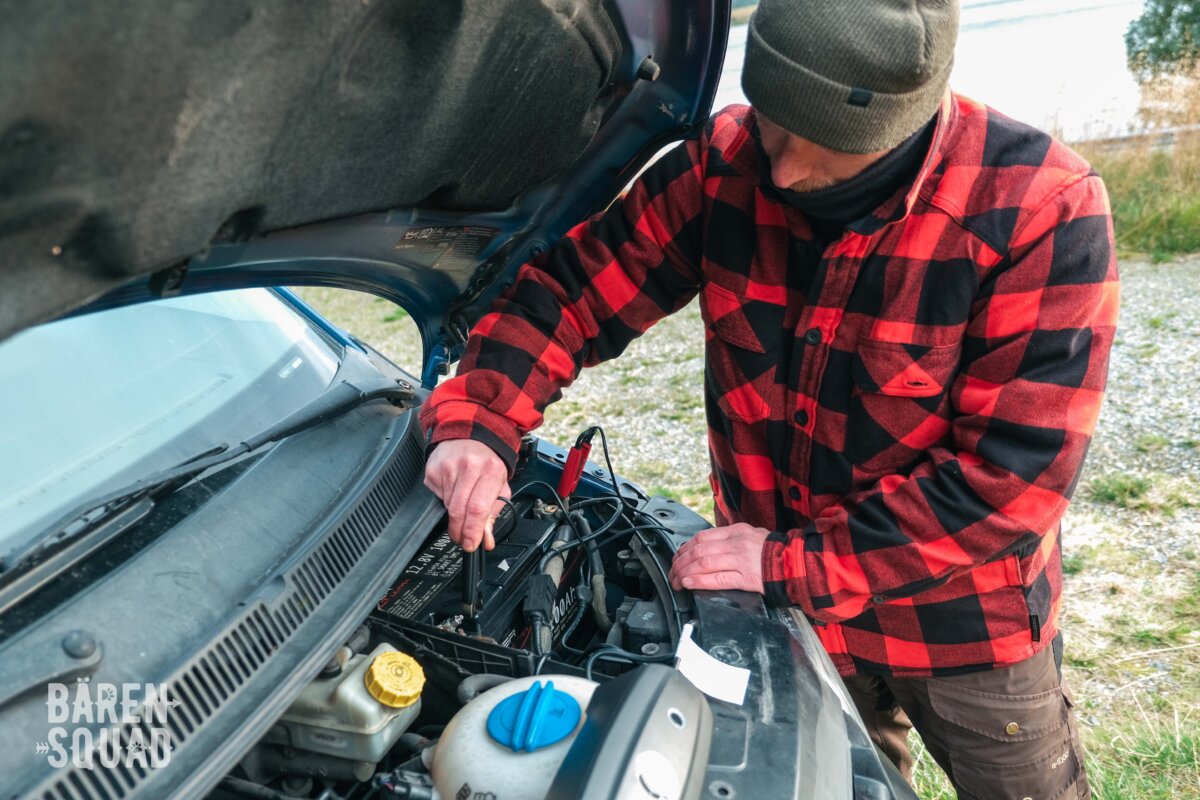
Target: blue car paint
310 313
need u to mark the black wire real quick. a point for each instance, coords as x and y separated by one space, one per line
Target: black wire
612 474
557 498
610 653
563 547
666 581
579 615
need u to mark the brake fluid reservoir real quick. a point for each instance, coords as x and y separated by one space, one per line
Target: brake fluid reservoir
358 714
510 741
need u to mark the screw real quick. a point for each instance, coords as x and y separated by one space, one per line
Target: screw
79 644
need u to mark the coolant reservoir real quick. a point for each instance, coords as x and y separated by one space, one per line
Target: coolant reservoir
359 714
510 741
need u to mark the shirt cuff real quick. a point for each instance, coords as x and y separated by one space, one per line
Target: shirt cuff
785 580
462 419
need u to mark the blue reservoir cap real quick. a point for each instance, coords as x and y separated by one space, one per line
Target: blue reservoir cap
537 717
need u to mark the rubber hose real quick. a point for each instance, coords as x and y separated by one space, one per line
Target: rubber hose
472 686
599 604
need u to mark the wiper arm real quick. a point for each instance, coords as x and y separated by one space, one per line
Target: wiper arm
76 524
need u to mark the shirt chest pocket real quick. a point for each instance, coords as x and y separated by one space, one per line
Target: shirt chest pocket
900 401
743 351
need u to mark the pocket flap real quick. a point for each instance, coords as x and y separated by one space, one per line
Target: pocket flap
1005 718
735 329
752 325
900 369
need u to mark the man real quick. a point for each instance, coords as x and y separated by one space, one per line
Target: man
909 301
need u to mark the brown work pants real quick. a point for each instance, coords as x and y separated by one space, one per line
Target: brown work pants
1006 733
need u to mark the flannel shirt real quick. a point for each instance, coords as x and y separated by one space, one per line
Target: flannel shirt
909 420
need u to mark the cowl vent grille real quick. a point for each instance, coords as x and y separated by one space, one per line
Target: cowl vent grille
219 673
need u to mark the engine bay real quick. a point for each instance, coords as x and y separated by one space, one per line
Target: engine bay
574 594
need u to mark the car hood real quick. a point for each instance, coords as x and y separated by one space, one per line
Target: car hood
419 150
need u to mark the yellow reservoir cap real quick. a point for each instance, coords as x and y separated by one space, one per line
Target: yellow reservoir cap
395 679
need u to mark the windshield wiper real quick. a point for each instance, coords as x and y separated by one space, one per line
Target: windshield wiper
89 516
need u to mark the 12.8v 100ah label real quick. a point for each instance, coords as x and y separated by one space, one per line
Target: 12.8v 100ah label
424 577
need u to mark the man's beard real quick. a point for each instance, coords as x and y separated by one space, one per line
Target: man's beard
811 185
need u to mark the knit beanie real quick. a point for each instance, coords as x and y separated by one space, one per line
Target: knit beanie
858 76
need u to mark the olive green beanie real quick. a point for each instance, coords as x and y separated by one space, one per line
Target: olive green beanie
857 76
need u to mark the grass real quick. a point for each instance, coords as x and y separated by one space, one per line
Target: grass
1155 198
1156 492
1159 321
1148 760
1125 491
1073 563
1155 189
1151 443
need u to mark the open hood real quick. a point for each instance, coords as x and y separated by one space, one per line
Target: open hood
417 149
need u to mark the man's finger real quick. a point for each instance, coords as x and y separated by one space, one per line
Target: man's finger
489 533
716 581
704 537
711 561
684 560
477 523
456 503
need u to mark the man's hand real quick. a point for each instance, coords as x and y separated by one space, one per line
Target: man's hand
721 558
468 476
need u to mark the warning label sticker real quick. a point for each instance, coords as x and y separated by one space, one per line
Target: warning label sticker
453 247
425 576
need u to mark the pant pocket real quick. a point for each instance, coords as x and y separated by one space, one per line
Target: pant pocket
1006 746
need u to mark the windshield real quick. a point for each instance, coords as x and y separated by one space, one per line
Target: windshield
93 403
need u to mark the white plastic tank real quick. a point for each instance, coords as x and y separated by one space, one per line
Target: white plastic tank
510 741
359 714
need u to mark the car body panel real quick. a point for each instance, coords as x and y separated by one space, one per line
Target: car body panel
65 243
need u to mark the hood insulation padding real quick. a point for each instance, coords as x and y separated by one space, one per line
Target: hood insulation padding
133 134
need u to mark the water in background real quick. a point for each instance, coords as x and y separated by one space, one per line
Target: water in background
1056 64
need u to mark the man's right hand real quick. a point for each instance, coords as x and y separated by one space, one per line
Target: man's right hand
469 477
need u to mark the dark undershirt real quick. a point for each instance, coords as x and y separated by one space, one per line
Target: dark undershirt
830 210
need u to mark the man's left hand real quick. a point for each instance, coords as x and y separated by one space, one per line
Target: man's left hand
721 558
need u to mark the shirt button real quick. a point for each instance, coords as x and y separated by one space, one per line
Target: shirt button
794 493
878 599
1012 728
812 336
801 417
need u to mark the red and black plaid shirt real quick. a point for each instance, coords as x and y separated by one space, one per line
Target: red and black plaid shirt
910 420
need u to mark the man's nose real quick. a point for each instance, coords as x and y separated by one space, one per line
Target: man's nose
791 166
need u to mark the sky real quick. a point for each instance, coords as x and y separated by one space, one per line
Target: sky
1056 64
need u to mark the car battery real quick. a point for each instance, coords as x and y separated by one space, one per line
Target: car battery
429 590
